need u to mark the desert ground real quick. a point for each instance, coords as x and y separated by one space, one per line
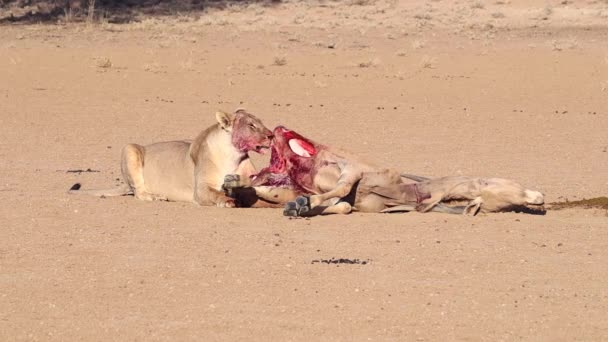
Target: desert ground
512 89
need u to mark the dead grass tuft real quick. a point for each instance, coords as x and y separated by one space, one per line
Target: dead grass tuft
154 67
103 62
68 15
368 64
188 64
428 62
401 53
417 44
279 61
546 13
423 16
567 44
361 2
91 12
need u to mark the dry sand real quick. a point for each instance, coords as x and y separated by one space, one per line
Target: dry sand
515 89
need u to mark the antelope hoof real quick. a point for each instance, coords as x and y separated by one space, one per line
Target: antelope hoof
299 208
303 205
291 209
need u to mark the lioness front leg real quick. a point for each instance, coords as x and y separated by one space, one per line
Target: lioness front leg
210 196
232 182
275 194
205 194
257 196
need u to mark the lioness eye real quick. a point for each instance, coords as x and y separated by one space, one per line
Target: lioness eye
252 125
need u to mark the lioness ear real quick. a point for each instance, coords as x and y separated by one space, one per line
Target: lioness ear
225 120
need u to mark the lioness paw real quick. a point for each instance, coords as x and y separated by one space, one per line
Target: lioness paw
229 203
146 196
232 181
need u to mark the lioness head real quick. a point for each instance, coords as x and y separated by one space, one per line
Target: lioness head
248 132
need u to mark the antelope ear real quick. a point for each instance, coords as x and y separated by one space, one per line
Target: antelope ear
225 120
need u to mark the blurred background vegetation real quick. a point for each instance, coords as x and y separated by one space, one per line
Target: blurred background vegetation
112 11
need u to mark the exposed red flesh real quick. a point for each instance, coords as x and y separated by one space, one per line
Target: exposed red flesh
286 167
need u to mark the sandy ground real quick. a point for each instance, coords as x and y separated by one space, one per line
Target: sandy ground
430 90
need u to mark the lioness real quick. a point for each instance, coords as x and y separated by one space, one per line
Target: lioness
331 182
192 171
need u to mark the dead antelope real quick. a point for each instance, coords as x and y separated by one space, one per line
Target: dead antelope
313 179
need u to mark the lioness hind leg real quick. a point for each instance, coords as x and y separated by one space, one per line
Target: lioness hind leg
132 166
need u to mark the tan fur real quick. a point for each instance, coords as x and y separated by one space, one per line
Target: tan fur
478 194
189 171
482 194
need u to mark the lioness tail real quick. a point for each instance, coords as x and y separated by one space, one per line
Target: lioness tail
120 191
